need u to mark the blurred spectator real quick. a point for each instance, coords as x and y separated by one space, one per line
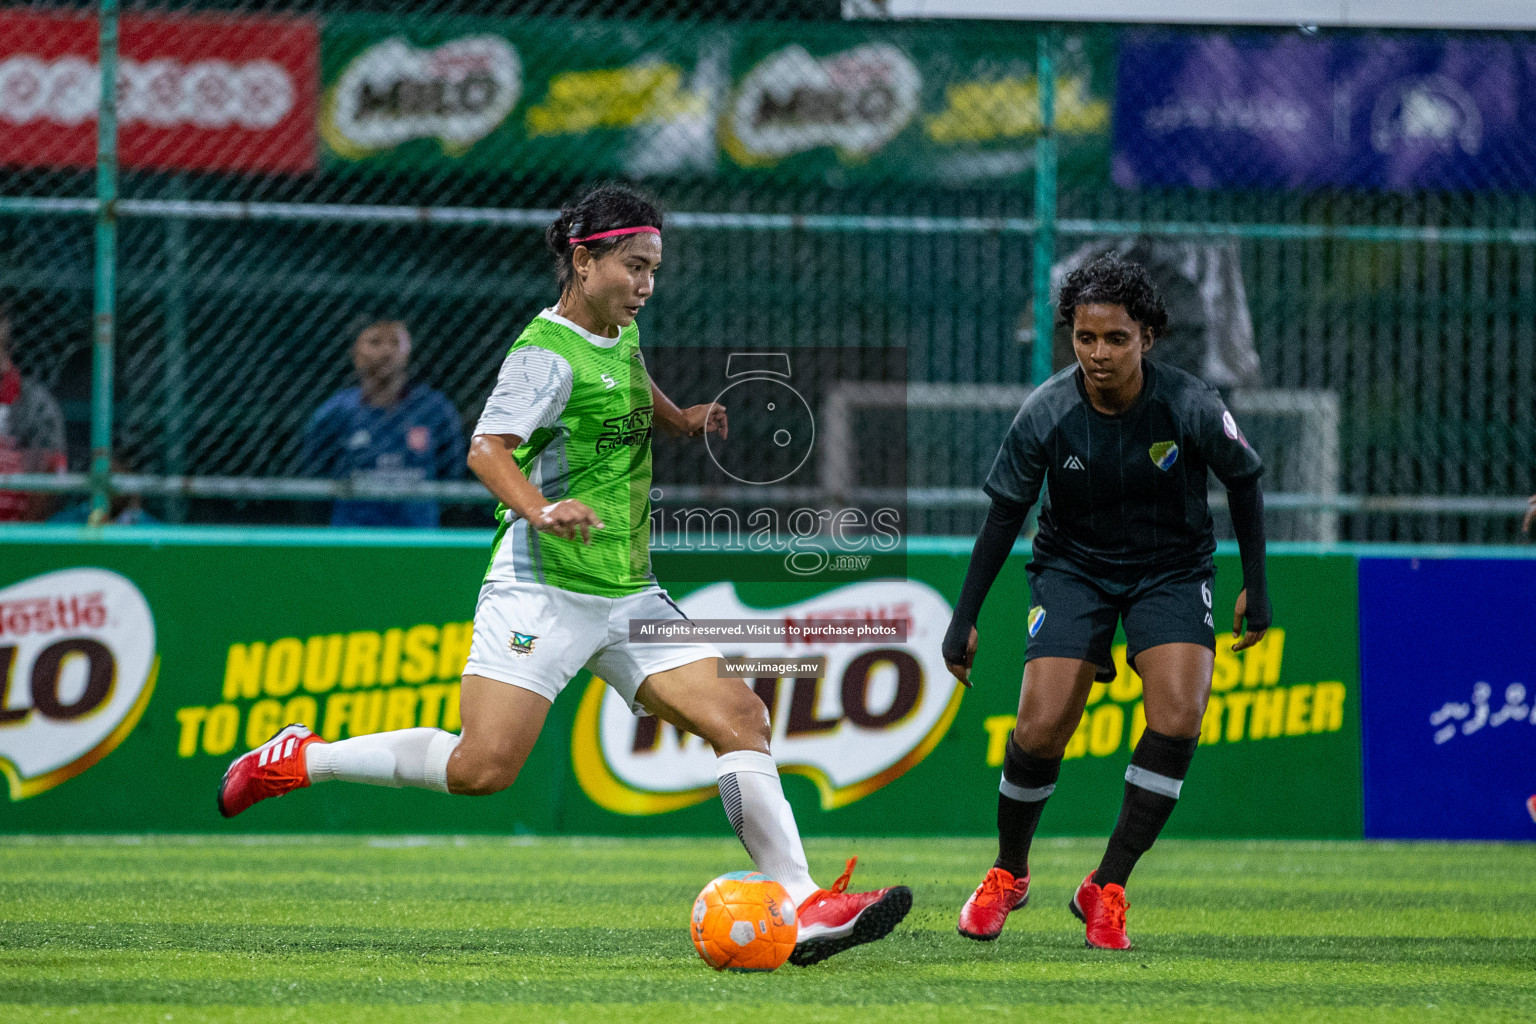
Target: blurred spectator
390 430
1210 331
31 434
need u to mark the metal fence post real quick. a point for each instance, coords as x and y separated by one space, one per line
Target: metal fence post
1045 207
174 390
106 267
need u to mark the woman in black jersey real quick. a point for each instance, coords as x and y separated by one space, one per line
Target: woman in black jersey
1122 445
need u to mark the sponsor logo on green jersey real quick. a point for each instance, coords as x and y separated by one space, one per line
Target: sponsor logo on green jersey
628 431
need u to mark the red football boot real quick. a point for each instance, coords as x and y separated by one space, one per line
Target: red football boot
1103 911
998 894
272 769
832 920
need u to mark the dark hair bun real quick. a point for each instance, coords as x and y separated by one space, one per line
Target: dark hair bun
557 235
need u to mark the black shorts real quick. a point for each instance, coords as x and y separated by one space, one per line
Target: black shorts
1072 616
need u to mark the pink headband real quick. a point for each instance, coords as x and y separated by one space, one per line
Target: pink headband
615 232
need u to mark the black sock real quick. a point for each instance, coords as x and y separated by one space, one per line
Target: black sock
1152 784
1027 782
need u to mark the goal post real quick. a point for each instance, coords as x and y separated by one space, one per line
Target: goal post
1295 431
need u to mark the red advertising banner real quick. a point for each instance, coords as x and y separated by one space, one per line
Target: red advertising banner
194 93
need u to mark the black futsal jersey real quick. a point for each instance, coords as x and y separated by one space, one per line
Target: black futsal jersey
1125 494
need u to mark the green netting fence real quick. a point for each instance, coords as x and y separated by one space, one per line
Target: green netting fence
1344 223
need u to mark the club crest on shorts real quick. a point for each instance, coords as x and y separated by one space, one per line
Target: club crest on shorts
521 643
1036 617
1164 454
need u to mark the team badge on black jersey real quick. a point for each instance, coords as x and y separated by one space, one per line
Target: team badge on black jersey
1036 617
1229 427
1164 454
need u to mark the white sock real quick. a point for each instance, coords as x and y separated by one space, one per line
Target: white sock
405 757
754 801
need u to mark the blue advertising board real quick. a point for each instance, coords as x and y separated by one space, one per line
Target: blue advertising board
1448 695
1263 110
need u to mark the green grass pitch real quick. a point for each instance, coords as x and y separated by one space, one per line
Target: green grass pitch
342 930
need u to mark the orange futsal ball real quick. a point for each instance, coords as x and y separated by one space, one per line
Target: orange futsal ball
744 921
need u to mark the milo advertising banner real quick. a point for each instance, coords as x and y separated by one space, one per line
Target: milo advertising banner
133 671
947 106
864 697
840 105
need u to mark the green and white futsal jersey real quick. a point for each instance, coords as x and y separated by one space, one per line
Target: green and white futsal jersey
582 404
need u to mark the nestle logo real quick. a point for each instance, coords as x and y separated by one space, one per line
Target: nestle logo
41 615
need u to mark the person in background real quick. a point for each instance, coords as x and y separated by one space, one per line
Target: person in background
389 429
1210 329
31 434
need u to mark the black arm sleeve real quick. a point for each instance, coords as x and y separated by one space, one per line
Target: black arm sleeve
1004 520
1246 503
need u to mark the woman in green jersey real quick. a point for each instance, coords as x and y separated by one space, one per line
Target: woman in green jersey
564 444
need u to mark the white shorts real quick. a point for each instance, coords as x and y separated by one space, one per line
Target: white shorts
538 637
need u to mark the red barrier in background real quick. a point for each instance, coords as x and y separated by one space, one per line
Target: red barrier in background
194 93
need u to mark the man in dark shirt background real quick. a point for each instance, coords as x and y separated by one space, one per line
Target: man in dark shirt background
390 429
